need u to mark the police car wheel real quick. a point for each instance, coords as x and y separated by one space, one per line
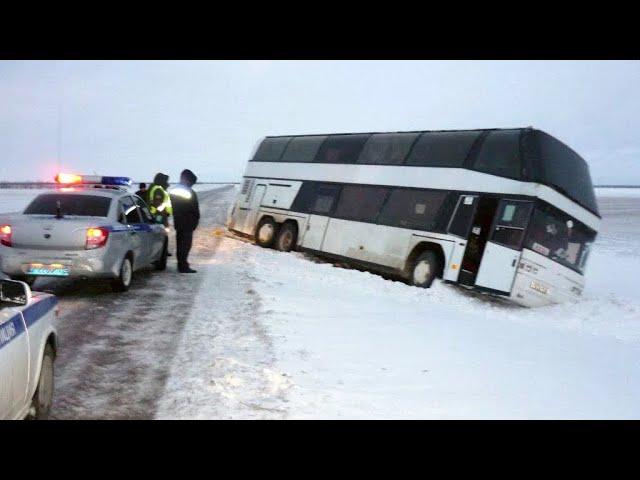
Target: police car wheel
424 270
43 398
161 263
287 237
266 232
123 282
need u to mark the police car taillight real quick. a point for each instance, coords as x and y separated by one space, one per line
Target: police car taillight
96 238
5 235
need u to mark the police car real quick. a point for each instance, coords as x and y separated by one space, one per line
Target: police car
28 348
89 227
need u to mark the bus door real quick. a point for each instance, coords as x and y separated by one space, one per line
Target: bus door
502 252
472 221
254 206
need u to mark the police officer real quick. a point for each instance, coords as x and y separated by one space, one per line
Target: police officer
142 193
186 216
158 199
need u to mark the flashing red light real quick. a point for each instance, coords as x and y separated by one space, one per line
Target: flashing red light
5 235
96 238
68 178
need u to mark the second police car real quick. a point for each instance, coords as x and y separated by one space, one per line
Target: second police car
28 347
90 227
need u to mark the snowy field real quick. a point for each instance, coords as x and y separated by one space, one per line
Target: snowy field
280 336
276 335
16 199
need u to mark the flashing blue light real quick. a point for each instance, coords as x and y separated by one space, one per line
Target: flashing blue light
125 181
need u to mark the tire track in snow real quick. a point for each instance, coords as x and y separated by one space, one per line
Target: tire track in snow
225 365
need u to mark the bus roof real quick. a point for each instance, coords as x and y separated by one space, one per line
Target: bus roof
398 131
525 153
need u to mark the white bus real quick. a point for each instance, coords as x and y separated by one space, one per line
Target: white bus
510 212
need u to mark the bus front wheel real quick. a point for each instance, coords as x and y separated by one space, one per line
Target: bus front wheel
425 269
266 232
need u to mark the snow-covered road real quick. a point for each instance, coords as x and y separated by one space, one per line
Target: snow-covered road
263 334
117 349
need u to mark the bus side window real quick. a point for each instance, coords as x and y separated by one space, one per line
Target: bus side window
361 204
511 222
324 200
409 208
341 148
316 198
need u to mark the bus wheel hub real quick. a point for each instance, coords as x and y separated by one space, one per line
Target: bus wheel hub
266 233
422 272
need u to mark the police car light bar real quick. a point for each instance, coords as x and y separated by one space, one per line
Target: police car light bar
73 179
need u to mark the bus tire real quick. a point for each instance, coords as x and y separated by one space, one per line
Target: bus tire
287 237
266 232
425 269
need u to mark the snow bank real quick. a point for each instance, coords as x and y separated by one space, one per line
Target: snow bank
358 346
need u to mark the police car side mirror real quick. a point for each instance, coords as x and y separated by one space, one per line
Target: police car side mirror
17 293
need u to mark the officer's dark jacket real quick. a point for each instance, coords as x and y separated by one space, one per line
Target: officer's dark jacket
186 210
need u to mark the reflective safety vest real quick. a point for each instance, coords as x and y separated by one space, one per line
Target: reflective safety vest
162 204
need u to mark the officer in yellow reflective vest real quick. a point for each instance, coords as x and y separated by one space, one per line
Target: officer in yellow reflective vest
158 199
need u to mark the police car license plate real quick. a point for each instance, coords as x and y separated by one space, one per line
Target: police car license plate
53 270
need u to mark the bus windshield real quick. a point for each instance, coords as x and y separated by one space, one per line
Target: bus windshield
560 238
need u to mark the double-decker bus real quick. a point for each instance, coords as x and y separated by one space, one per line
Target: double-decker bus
510 212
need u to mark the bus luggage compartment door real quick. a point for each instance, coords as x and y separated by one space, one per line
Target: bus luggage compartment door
314 232
502 252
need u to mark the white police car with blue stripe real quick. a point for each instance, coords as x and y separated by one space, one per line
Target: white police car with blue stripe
28 347
90 227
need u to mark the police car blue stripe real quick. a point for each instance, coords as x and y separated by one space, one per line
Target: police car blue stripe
137 227
10 330
39 309
14 327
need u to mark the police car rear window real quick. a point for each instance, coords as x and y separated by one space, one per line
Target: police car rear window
78 205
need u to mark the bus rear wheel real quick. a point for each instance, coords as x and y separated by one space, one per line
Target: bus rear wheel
287 237
425 269
266 232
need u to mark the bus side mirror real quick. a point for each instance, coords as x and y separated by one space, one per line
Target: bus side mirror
17 293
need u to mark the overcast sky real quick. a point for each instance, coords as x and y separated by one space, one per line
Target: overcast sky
136 118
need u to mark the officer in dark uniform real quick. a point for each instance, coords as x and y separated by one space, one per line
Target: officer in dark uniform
142 193
186 216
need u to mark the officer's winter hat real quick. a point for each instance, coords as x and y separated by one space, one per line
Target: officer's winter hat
189 177
162 180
